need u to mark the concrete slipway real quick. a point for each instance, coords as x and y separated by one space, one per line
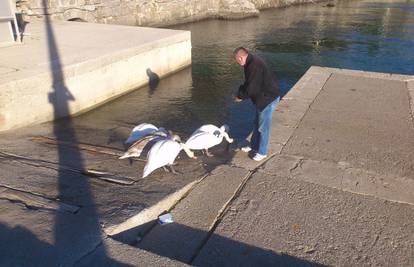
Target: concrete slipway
336 189
66 68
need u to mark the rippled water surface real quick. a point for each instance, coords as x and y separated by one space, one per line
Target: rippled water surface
363 35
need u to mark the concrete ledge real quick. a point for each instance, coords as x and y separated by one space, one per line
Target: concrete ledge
360 73
152 213
346 178
304 99
72 67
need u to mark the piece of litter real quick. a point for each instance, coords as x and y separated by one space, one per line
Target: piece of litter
165 218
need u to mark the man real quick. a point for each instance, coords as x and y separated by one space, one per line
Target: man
261 87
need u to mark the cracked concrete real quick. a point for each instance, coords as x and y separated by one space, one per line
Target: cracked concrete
362 121
296 220
341 176
280 221
346 201
211 244
260 227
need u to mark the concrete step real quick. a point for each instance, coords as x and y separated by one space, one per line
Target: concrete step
195 216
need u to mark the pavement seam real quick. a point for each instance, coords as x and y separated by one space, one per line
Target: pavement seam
345 191
342 187
358 193
100 243
222 212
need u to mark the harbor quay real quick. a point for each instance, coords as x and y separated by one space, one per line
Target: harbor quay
66 68
335 189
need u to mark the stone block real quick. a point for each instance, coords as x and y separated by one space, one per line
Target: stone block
233 9
126 20
76 14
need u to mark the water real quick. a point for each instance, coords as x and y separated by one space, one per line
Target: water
362 35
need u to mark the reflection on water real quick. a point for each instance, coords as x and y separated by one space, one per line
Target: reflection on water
364 35
167 104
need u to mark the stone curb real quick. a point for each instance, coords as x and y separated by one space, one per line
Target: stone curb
152 213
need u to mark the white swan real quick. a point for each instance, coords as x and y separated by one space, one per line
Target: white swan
208 136
140 131
138 146
163 153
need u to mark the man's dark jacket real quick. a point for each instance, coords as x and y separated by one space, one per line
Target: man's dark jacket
260 83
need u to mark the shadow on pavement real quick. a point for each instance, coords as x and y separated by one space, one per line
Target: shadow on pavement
217 251
14 244
74 235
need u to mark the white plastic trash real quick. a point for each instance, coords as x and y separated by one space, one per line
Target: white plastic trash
165 218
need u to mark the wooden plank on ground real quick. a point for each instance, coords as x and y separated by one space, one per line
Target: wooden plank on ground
35 201
105 176
82 146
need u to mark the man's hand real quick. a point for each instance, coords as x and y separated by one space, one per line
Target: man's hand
237 99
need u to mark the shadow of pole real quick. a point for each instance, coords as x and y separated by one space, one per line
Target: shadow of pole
176 241
71 232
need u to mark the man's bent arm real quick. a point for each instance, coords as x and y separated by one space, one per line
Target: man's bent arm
251 86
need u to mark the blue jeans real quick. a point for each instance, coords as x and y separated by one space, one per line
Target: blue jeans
261 131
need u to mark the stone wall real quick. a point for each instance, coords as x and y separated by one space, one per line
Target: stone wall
146 12
262 4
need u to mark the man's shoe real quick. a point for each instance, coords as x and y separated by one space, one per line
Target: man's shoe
246 149
259 157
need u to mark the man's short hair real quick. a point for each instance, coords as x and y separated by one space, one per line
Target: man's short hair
238 49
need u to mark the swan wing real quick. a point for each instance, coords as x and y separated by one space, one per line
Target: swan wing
140 131
136 148
144 126
203 140
162 153
210 128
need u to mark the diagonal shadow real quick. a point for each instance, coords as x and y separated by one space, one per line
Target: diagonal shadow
13 242
75 235
177 241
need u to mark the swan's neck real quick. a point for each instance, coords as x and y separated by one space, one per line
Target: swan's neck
187 150
228 139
